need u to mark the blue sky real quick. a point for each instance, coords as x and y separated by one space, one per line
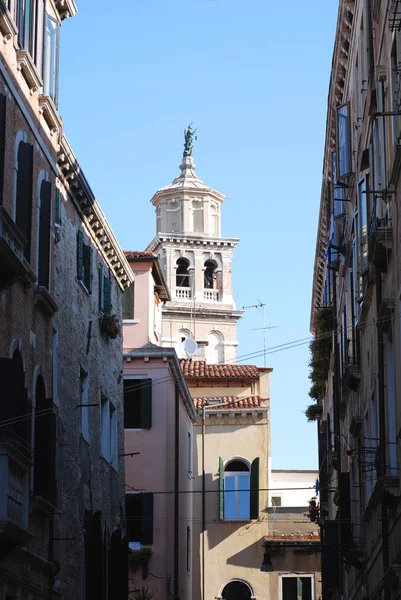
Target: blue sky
253 77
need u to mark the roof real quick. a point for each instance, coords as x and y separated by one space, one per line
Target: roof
246 402
138 254
135 256
199 369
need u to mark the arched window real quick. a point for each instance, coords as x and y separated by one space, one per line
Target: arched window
215 348
43 258
197 216
237 481
182 274
236 590
210 275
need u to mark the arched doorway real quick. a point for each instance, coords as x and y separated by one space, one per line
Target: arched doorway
236 590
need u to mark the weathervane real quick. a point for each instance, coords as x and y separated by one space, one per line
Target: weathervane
189 135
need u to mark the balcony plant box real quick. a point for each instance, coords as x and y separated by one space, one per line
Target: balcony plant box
110 325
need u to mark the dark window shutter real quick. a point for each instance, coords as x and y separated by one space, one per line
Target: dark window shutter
254 499
94 579
44 484
80 255
44 234
87 252
24 194
14 399
146 519
57 214
2 142
146 403
221 488
107 295
100 286
132 404
128 302
133 517
118 567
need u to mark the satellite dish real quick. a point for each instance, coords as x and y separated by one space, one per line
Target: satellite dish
190 346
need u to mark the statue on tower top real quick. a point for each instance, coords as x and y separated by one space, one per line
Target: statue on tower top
189 135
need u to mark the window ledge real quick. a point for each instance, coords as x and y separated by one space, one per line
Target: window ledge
83 286
131 321
7 25
27 67
48 109
42 505
66 8
389 483
44 299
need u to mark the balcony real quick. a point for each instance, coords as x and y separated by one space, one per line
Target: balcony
380 240
15 465
184 293
13 264
211 295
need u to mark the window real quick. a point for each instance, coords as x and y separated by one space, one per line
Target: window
239 490
391 410
104 291
214 217
128 302
189 453
44 480
137 403
237 590
12 385
276 500
173 217
210 276
363 231
55 366
84 409
44 234
139 515
182 275
84 261
189 544
23 212
109 432
337 190
343 143
24 21
296 588
50 58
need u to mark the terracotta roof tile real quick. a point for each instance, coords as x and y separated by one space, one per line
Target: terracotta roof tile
246 403
198 368
138 254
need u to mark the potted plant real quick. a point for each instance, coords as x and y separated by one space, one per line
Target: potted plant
314 412
111 325
141 558
313 510
143 593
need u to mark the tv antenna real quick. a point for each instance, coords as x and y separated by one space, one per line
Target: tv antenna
264 328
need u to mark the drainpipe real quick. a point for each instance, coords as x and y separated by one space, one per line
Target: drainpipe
382 431
176 492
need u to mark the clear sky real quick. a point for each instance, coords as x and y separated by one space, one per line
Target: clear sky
253 77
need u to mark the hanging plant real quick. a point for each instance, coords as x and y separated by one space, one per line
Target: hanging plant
320 349
314 412
140 559
110 325
313 510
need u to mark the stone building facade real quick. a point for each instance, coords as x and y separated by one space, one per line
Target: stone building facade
357 286
61 492
197 263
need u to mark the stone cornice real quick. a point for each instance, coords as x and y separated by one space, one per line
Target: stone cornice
337 96
7 25
27 67
66 8
181 239
50 115
75 182
203 312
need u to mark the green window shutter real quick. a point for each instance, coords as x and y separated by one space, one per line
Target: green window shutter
146 403
221 488
107 295
254 501
87 255
80 255
146 519
23 214
44 234
100 285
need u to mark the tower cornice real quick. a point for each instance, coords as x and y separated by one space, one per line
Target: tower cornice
191 241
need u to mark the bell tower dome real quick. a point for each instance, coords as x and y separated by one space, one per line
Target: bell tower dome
197 263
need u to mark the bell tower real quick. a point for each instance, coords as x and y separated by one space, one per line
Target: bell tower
197 263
